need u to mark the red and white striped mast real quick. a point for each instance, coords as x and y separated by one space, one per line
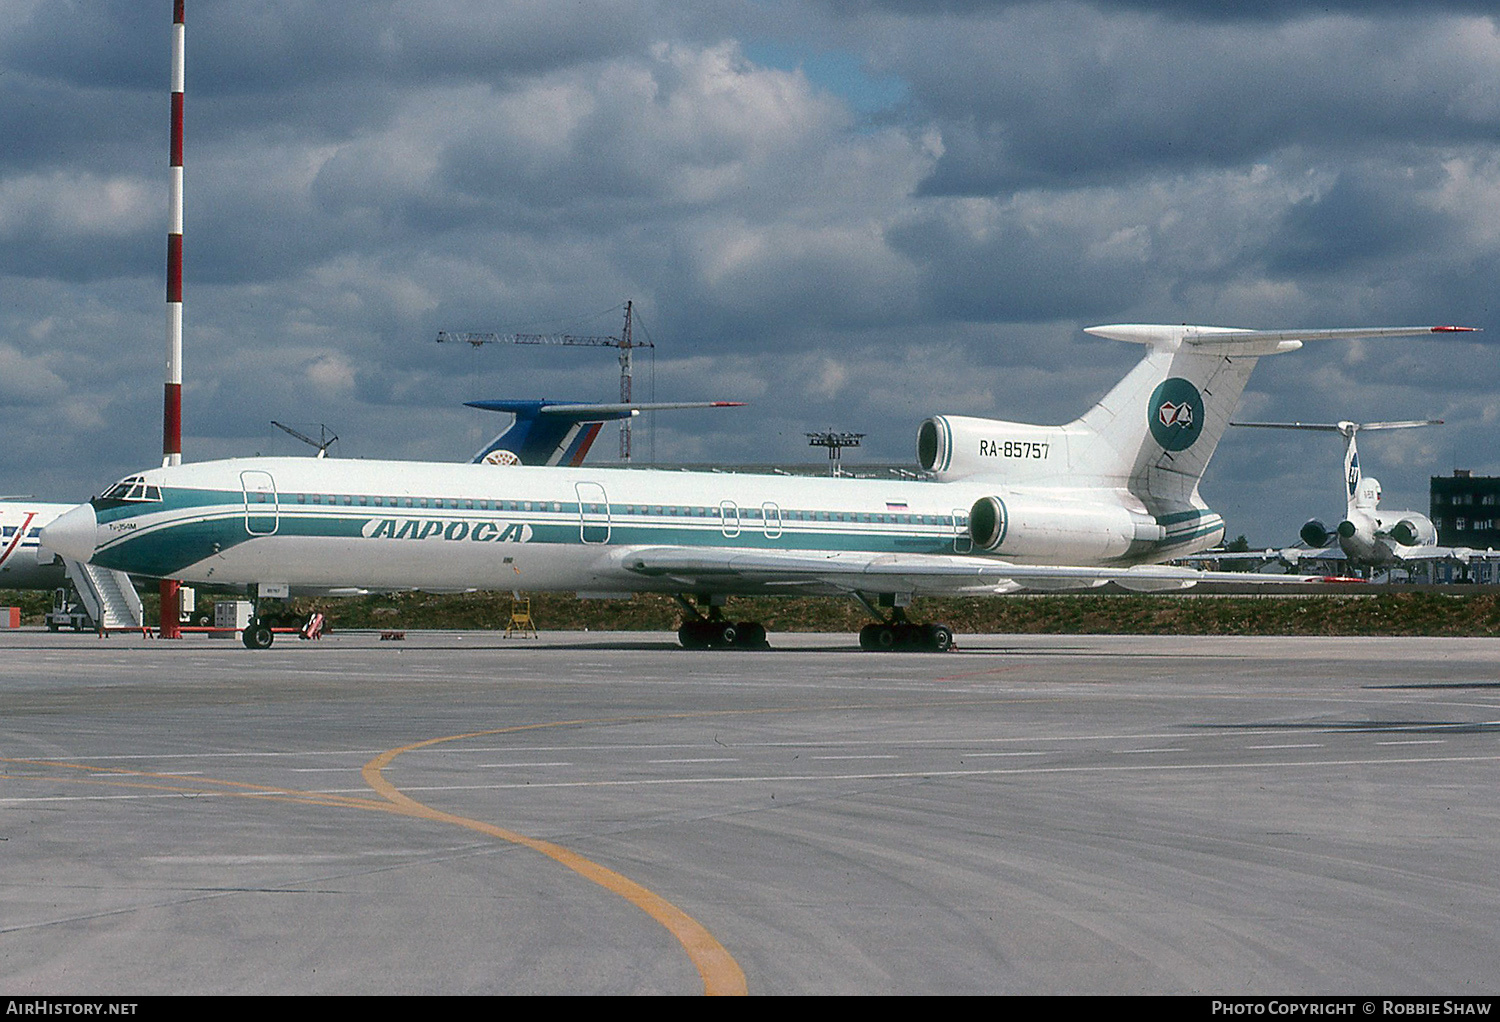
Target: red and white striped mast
171 436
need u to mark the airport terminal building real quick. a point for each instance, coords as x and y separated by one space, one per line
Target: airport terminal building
1465 508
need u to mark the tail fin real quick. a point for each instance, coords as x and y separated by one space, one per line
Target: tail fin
561 433
1157 429
1362 493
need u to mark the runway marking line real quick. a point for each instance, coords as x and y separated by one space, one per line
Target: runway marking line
719 971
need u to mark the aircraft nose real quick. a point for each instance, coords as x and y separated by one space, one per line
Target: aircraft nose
73 533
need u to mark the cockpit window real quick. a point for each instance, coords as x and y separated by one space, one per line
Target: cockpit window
132 488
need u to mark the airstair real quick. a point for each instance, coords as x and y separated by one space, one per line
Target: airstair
107 595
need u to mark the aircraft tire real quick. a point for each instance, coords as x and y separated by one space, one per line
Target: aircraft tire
692 635
258 634
705 634
939 638
752 635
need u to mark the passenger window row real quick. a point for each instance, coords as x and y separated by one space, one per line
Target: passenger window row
750 514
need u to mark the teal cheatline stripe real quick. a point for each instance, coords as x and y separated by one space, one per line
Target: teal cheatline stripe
167 549
1189 537
160 547
1184 516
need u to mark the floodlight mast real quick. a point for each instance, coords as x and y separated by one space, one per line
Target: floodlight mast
835 442
625 343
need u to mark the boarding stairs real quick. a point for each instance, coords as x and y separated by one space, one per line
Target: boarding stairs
107 595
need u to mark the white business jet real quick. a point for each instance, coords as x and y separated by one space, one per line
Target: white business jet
1105 498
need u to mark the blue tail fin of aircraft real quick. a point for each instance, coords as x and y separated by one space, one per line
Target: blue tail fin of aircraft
560 432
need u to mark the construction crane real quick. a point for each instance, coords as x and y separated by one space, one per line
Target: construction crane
624 342
323 431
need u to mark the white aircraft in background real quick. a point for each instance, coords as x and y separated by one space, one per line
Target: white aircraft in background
24 562
1367 537
1105 498
108 598
561 432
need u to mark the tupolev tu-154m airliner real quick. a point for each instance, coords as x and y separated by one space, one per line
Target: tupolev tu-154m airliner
1105 498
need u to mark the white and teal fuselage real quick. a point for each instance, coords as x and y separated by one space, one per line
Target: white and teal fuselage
402 525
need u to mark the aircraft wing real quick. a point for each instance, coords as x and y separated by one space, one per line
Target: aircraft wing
1289 554
1461 554
776 571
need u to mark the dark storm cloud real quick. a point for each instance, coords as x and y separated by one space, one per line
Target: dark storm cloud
276 45
1196 10
1069 96
1364 219
1013 272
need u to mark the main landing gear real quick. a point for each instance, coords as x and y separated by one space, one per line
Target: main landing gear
897 633
714 631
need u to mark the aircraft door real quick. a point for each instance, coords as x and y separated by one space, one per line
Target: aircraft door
963 542
262 507
729 518
593 513
770 519
43 555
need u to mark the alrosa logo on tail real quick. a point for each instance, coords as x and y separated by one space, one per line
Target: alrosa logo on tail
1175 414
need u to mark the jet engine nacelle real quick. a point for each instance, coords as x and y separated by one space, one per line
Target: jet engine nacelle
1022 527
1414 530
1358 539
953 446
1315 533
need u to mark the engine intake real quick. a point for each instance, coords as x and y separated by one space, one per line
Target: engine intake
1315 534
988 523
953 446
1406 533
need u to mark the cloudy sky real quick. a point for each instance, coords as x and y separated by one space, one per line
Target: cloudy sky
849 214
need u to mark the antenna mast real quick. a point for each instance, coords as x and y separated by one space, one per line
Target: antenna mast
171 433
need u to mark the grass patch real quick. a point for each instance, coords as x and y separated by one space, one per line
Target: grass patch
1395 613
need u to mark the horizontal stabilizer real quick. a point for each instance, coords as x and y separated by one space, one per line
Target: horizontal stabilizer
597 412
1341 427
1261 342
